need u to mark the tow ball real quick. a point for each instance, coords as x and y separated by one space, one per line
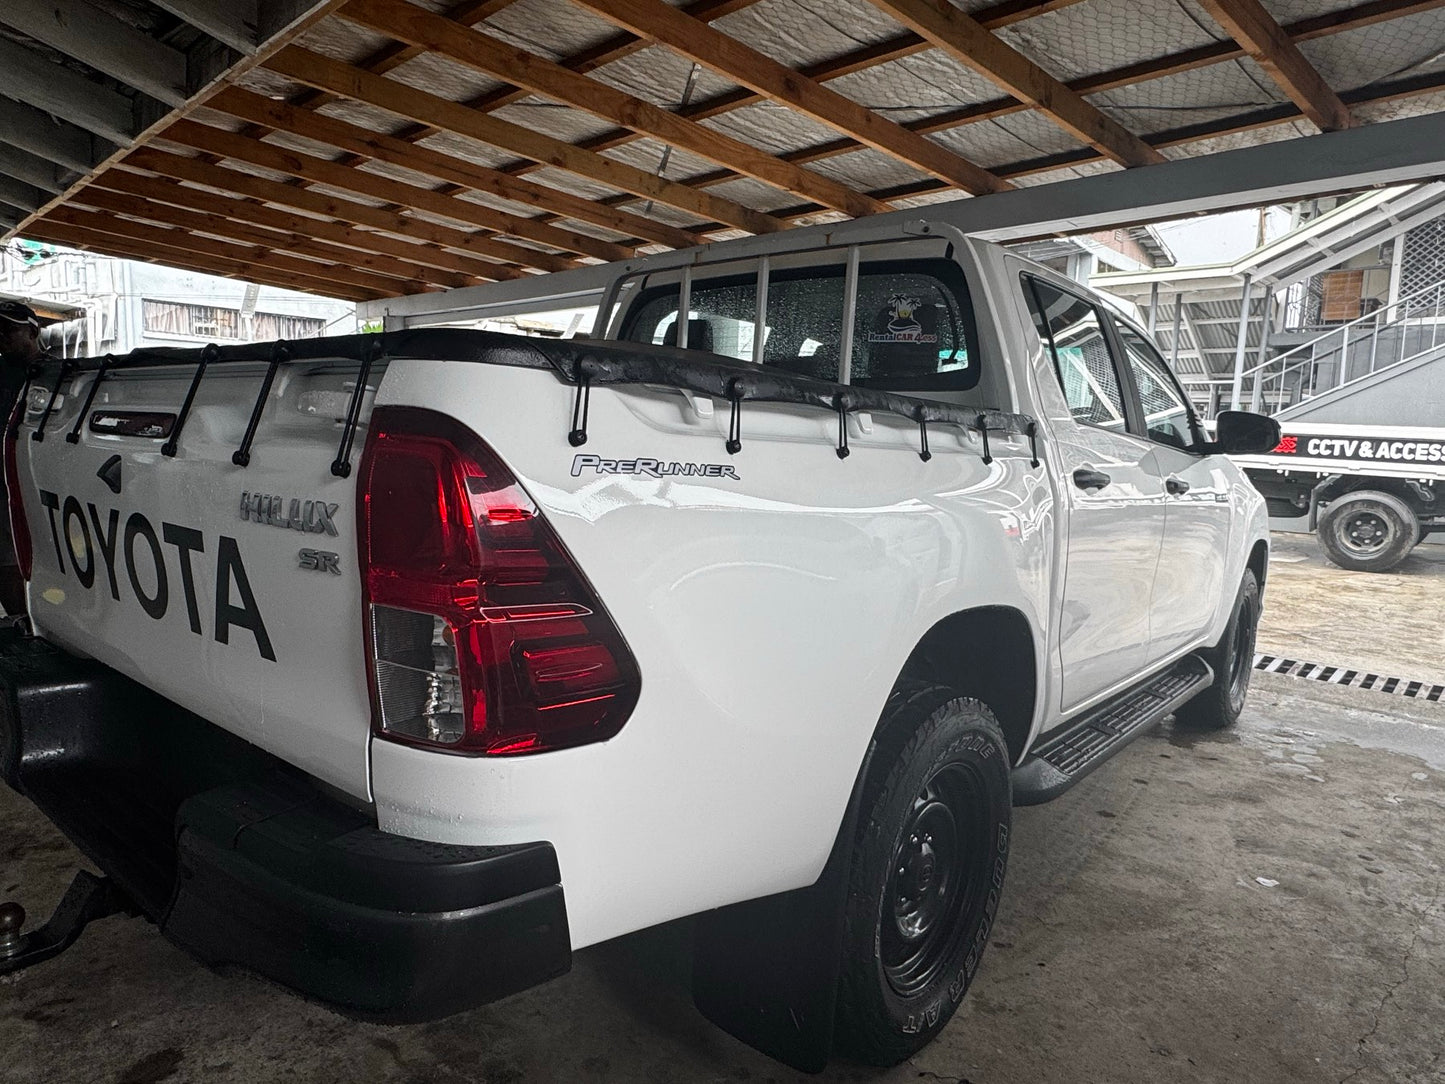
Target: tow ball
89 897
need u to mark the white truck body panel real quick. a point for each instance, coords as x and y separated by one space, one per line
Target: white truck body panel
769 613
730 781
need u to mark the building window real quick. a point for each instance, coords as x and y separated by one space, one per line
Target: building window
1422 263
1342 299
211 322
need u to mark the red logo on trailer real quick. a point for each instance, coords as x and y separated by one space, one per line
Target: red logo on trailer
1287 446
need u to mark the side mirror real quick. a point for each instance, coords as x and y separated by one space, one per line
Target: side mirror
1238 432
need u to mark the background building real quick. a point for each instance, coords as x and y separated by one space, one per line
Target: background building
1357 285
113 306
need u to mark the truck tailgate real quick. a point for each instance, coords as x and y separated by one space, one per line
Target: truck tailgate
231 590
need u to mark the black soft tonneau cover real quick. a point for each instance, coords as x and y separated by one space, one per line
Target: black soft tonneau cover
580 362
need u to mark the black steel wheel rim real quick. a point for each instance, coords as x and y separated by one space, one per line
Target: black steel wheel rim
935 879
1365 532
1241 660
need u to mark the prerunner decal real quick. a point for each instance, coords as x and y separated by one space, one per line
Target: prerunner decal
137 548
1363 449
652 468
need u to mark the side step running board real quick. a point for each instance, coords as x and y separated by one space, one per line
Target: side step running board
1063 760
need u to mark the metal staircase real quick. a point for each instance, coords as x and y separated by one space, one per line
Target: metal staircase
1409 330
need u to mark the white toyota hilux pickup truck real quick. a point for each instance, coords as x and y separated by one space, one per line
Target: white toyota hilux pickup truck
397 667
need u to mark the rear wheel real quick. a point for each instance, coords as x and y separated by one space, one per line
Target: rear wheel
1368 530
1232 659
927 868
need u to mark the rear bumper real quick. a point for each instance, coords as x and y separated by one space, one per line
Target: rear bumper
241 860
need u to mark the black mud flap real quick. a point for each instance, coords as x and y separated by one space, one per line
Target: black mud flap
766 970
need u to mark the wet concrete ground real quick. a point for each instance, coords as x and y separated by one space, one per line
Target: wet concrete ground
1389 622
1263 906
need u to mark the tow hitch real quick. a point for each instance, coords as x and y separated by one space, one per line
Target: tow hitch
89 897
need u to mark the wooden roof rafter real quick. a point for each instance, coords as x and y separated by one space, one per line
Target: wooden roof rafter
866 56
346 263
320 128
233 145
969 42
556 204
423 107
1249 24
437 252
494 57
58 233
163 195
187 240
1269 117
266 114
553 202
1313 28
694 39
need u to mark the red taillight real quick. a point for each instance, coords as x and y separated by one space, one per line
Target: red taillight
482 634
19 527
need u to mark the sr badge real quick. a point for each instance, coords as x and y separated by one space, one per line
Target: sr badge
321 561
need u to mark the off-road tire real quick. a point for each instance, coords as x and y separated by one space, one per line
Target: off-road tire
1368 530
1232 659
940 773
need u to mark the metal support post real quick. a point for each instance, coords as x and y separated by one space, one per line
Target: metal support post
1240 343
1256 391
850 309
684 307
760 317
1178 319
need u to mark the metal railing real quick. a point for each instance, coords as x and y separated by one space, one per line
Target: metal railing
1404 330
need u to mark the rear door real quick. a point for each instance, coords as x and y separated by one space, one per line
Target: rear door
1111 492
1189 583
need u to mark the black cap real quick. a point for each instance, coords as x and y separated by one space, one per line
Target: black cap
17 312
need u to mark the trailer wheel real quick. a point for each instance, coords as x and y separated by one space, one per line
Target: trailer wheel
928 864
1367 530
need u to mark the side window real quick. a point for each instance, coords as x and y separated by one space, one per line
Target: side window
1167 417
1072 330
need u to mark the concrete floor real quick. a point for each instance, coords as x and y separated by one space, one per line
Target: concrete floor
1262 906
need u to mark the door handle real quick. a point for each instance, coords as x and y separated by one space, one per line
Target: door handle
1089 480
1176 486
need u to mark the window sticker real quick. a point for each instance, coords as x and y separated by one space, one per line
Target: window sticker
902 324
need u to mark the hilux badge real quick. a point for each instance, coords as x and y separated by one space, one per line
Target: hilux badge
314 517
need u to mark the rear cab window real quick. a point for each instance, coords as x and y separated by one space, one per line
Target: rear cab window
914 329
